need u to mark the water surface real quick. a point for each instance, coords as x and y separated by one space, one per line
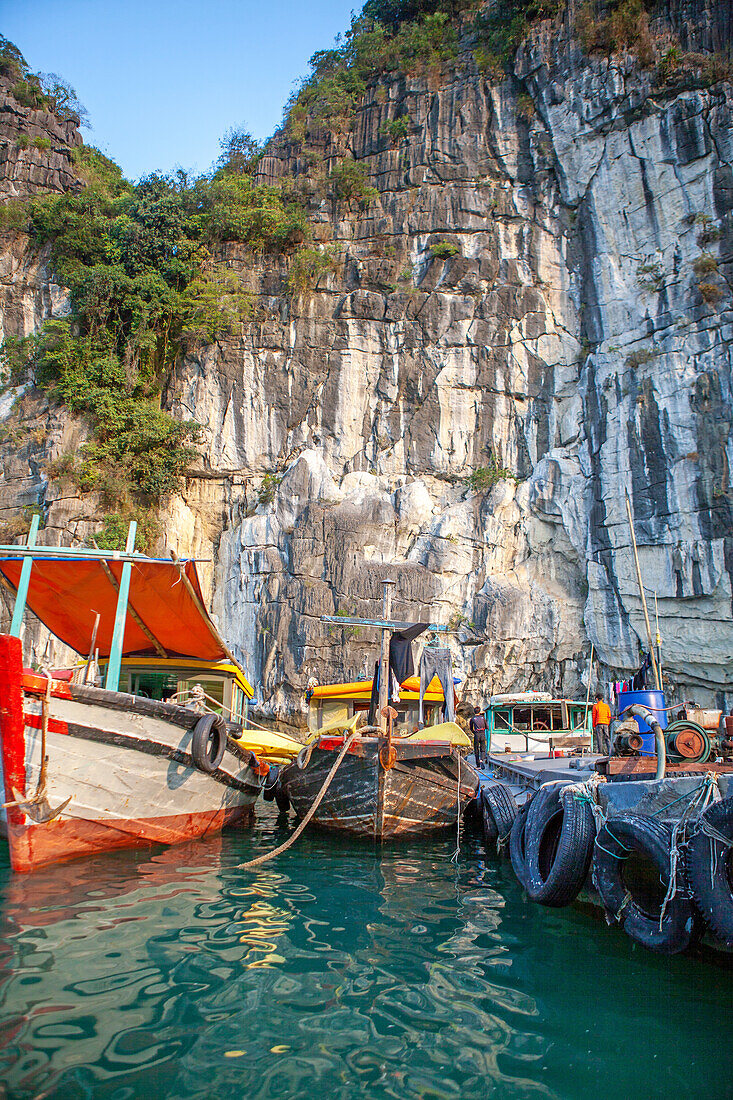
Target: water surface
337 971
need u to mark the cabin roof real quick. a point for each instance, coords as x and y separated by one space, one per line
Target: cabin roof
362 689
66 594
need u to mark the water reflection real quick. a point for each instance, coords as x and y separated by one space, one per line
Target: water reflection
341 968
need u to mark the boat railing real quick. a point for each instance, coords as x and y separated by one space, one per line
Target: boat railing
196 697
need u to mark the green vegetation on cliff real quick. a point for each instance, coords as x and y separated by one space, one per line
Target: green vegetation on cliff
142 266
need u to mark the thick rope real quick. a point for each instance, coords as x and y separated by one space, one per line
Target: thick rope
316 803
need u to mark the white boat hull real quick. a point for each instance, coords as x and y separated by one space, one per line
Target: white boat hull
126 769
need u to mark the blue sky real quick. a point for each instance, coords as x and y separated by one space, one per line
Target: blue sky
163 79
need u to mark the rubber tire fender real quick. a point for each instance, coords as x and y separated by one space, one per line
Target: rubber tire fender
650 838
208 742
282 798
516 843
574 852
498 809
709 866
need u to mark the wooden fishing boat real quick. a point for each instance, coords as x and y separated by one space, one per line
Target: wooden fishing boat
88 769
394 780
385 788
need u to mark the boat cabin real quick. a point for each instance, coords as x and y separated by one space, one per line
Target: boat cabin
332 703
146 630
536 722
225 688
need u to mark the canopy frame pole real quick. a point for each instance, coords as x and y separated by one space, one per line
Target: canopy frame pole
25 578
202 610
112 682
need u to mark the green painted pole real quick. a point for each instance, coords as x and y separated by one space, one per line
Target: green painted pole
112 682
25 578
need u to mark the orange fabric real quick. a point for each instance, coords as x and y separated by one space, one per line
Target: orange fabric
601 714
66 593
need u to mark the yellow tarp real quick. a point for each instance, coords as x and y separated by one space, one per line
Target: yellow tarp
446 731
275 748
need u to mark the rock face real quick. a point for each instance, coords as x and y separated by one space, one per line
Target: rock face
531 320
35 149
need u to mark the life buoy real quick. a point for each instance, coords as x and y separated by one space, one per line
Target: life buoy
208 742
516 844
623 845
499 808
558 845
709 865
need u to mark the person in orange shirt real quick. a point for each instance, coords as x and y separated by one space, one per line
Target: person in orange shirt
601 722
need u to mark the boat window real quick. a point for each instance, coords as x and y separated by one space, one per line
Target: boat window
502 720
149 684
237 703
213 688
522 718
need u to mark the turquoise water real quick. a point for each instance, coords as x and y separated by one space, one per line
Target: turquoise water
337 971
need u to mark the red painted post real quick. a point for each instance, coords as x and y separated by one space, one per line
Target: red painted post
12 723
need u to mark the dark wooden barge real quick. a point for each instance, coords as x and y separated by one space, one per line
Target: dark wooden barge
383 789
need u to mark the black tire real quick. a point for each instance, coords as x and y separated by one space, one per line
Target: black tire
208 742
499 810
268 791
709 865
636 905
488 825
558 845
516 844
282 799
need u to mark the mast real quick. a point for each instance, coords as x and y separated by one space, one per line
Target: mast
384 661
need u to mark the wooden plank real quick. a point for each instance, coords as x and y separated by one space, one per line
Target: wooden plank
647 765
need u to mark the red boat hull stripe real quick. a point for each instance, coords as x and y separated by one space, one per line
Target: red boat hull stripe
60 840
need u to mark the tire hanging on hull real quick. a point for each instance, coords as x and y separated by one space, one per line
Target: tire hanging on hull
558 846
622 842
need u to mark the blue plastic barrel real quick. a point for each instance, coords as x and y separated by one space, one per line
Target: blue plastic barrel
654 700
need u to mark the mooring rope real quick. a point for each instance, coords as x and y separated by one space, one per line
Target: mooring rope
314 806
456 855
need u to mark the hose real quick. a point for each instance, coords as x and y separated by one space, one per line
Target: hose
637 711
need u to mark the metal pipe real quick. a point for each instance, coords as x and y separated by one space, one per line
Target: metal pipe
8 553
637 711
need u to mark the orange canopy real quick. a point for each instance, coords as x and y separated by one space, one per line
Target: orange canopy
66 594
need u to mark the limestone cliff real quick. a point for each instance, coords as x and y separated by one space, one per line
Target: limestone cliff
532 317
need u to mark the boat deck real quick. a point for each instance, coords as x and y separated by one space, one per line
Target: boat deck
527 772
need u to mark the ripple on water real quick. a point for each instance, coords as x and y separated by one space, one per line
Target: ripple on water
341 969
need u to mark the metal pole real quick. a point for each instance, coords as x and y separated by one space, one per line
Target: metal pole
25 577
587 694
112 683
658 639
643 597
384 661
